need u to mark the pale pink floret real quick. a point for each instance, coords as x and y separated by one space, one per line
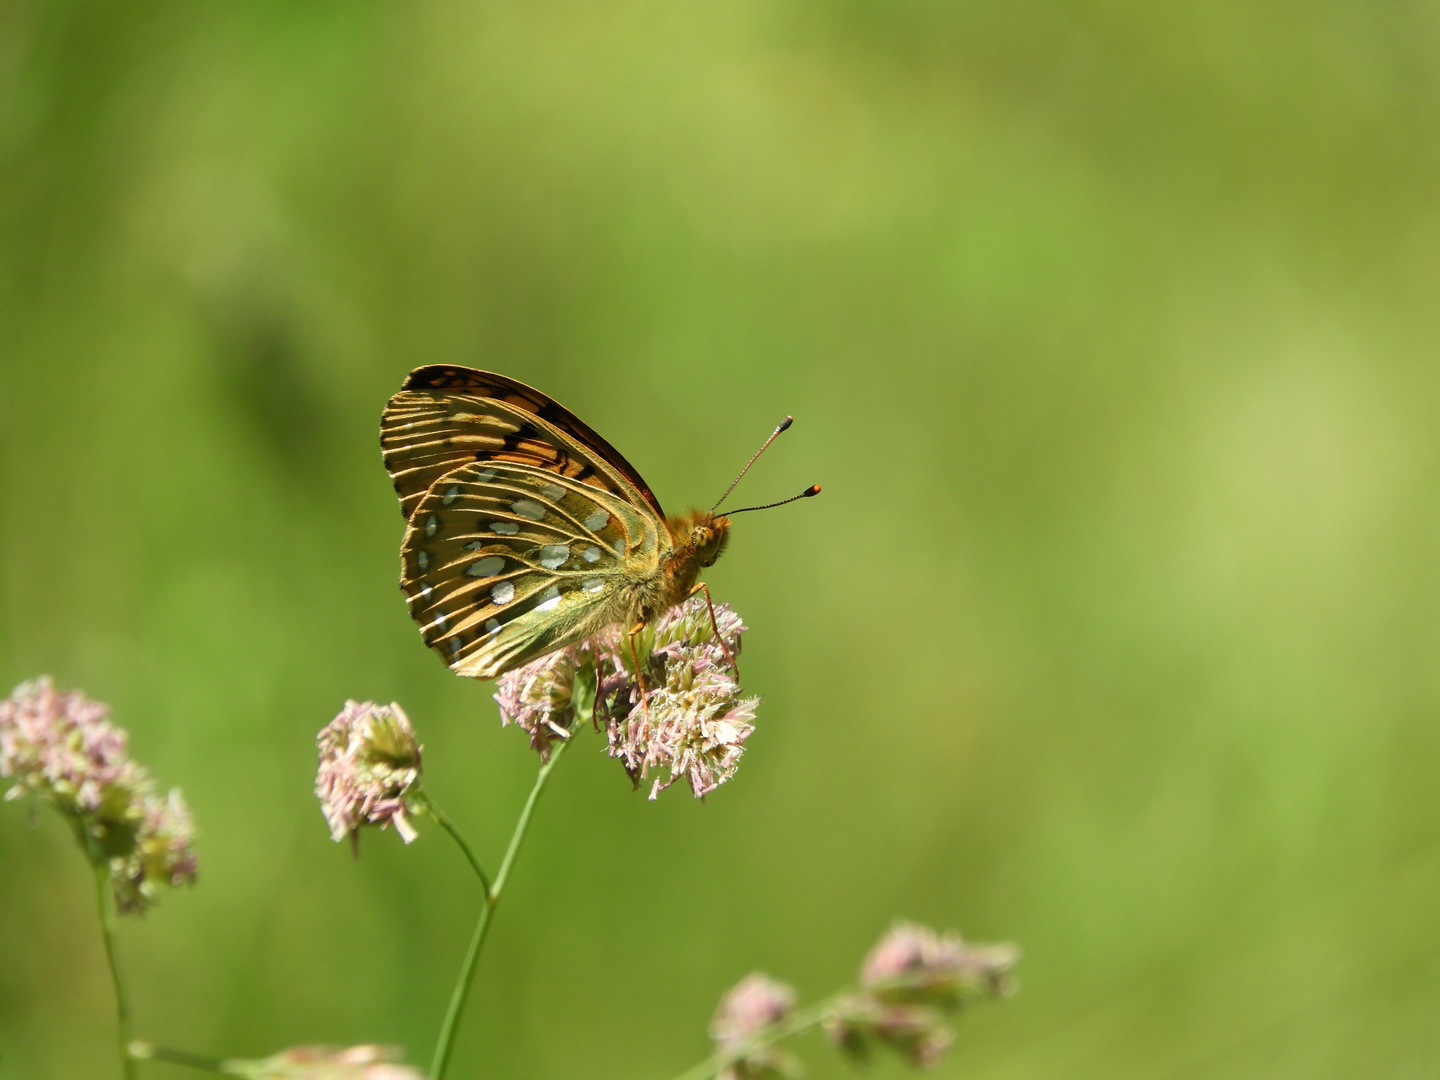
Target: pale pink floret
369 767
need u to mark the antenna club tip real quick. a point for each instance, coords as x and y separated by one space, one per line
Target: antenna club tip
813 489
784 424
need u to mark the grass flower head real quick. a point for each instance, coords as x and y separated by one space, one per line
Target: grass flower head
60 747
748 1008
694 719
540 697
369 768
913 983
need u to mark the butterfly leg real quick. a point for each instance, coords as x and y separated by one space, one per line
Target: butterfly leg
635 657
700 586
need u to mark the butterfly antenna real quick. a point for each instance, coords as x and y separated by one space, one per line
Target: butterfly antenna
773 436
813 489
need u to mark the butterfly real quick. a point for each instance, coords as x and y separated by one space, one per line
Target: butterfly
525 530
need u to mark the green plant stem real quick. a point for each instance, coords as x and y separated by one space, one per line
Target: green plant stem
792 1025
445 1044
107 933
144 1051
445 823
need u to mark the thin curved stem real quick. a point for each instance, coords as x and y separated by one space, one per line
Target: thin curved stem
793 1025
105 903
446 1042
443 820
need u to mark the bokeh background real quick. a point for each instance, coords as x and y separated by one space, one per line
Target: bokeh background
1110 330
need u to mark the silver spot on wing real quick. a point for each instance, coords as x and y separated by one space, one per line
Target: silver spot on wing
554 556
502 593
528 508
486 567
597 520
549 599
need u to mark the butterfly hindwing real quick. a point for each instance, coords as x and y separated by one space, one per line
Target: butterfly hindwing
503 562
444 417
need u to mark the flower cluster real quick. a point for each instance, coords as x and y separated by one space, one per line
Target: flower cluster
59 747
368 1062
752 1005
540 698
369 769
913 982
684 715
692 720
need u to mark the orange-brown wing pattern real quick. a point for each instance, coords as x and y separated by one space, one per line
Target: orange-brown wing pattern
445 416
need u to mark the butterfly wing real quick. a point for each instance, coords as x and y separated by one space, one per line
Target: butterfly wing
503 562
445 416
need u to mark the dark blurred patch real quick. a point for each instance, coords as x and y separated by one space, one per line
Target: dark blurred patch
268 381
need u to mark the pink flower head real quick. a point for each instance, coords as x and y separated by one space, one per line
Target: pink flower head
748 1008
369 767
914 963
368 1062
913 982
539 697
920 1032
693 720
60 747
752 1004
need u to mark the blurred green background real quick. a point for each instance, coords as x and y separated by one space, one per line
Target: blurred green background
1110 330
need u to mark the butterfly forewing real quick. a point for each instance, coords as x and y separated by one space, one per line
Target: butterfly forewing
503 562
446 416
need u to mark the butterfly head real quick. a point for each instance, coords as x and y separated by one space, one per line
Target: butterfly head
709 539
701 536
